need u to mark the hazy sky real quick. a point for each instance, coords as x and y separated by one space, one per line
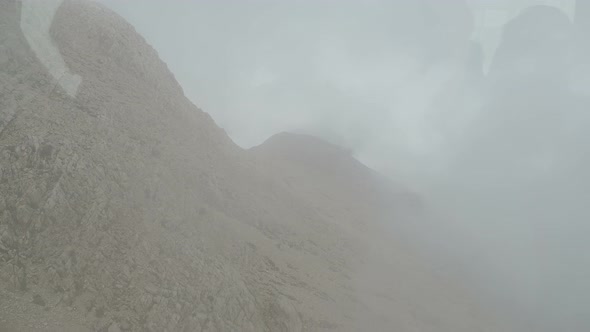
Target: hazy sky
347 71
356 73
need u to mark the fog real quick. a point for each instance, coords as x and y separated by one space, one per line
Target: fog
480 107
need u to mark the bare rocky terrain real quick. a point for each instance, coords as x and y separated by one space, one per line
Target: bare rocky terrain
126 208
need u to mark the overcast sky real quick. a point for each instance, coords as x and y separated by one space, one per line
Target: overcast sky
356 73
347 71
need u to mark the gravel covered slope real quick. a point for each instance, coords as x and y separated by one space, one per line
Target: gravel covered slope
124 207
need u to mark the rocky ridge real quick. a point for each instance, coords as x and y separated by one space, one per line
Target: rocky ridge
129 209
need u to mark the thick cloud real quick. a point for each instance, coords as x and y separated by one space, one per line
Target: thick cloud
401 84
362 75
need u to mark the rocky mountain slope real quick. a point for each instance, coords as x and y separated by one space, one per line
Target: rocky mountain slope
124 207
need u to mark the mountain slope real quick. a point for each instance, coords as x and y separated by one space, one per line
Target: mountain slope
125 205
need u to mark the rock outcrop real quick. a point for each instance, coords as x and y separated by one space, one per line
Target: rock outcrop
125 206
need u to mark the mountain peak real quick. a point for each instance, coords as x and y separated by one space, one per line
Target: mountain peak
120 198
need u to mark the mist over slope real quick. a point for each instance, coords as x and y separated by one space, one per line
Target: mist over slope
478 105
125 207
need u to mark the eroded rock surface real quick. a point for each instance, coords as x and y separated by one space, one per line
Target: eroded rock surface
125 208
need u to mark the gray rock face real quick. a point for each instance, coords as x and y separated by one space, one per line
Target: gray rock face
126 205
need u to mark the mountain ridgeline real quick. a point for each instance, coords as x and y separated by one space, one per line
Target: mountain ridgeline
124 206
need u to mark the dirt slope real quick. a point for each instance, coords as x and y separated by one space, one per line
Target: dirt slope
124 207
